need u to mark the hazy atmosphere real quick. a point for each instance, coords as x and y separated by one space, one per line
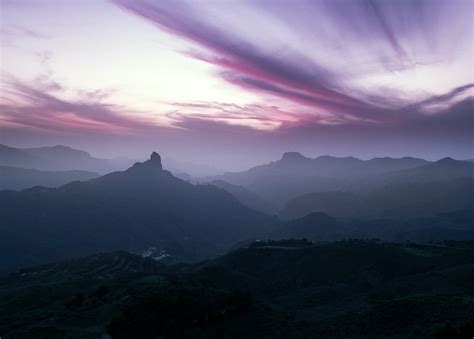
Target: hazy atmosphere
232 83
236 169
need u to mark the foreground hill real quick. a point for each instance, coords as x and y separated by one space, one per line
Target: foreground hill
14 178
297 289
58 158
142 208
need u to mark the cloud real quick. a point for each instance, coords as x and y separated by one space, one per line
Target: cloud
317 54
19 31
226 134
255 116
324 75
40 106
443 102
37 106
241 58
10 33
338 107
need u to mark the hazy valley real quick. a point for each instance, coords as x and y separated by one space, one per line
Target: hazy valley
192 169
420 212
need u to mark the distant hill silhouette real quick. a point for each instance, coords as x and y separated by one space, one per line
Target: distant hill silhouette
295 164
15 178
317 226
340 204
294 174
401 198
350 187
58 158
246 197
411 199
443 170
192 169
144 206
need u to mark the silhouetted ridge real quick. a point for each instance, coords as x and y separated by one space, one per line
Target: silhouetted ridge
154 163
17 178
317 225
292 156
155 159
144 208
58 158
447 161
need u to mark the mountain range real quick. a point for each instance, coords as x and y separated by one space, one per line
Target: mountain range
144 207
403 199
318 226
58 158
15 178
246 197
321 248
294 164
349 187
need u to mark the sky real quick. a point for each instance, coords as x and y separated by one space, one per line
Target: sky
230 84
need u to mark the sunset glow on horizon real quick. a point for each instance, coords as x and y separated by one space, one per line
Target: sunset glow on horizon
255 77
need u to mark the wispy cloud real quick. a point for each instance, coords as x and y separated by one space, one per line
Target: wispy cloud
38 106
294 73
10 33
334 44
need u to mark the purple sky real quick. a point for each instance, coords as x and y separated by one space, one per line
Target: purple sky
235 83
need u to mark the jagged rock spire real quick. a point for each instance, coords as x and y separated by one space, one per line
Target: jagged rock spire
152 164
292 156
155 160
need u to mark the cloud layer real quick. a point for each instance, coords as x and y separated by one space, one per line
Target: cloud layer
343 77
321 55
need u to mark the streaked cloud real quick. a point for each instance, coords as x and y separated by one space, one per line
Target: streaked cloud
285 74
38 106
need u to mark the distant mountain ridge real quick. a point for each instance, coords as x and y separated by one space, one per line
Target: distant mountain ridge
318 226
142 207
245 196
340 204
293 163
404 199
443 169
295 175
15 178
57 158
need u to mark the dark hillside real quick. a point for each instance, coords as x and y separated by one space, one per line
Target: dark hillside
137 209
289 288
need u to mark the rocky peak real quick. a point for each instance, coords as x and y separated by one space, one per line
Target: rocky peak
154 163
292 156
155 160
